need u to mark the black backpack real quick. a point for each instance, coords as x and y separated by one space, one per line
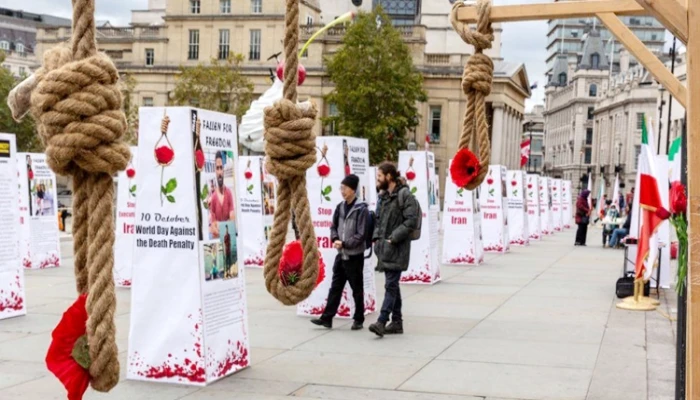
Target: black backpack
415 233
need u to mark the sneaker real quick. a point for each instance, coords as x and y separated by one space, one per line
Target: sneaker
394 328
320 322
356 326
378 328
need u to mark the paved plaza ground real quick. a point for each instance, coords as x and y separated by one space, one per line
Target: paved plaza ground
537 323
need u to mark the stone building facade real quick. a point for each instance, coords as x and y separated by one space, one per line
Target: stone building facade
533 130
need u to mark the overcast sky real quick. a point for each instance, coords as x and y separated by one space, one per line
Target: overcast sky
521 41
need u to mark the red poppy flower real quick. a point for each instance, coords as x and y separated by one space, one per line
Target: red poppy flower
323 170
662 213
464 168
410 175
164 155
199 159
248 175
30 174
68 356
291 264
130 173
679 201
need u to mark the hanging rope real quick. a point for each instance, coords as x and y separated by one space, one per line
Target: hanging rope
477 79
78 108
290 146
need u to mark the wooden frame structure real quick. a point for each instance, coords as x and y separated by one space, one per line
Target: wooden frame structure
682 18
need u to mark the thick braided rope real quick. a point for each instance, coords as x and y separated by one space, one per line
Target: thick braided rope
477 79
291 43
78 108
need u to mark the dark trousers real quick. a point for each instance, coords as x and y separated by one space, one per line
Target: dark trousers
581 233
392 298
606 236
351 271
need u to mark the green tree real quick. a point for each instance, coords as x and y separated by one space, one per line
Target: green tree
27 138
377 87
218 86
131 107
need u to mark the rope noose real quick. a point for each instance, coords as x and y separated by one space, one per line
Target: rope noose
290 146
78 108
477 79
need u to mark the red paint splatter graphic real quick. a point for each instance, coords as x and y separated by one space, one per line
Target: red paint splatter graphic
420 277
236 359
51 262
370 305
495 248
520 242
462 259
124 282
255 261
27 262
185 370
14 300
534 236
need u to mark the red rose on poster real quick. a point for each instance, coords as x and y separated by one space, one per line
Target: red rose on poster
679 200
513 183
30 174
323 170
199 159
164 155
489 181
68 356
130 173
410 175
529 185
248 175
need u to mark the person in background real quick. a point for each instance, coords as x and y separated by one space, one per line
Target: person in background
611 215
348 237
583 213
620 233
397 216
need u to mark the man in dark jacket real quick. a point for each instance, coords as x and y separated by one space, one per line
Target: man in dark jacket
348 236
397 217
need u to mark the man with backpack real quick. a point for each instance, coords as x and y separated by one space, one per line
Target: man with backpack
399 219
350 236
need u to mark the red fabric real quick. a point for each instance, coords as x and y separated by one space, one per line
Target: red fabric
59 358
649 201
582 209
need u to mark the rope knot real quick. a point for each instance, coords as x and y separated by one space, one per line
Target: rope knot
290 143
478 74
77 104
482 37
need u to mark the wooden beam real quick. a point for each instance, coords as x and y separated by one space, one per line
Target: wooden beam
645 56
692 371
671 13
569 9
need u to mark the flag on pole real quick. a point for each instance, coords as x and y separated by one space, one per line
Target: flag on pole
674 161
524 152
601 193
616 193
589 187
649 202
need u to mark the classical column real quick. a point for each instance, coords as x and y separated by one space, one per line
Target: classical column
497 131
508 148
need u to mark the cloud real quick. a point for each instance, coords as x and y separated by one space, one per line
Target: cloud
117 12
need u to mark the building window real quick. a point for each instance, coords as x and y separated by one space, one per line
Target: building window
590 112
256 6
574 33
589 136
305 54
148 101
536 145
225 6
223 43
4 45
332 112
254 54
562 78
595 61
309 20
593 90
653 36
637 152
434 128
195 6
150 57
587 156
21 71
640 122
193 51
19 47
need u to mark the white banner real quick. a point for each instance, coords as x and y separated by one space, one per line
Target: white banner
189 321
534 221
423 267
517 209
545 206
336 157
12 296
566 204
555 188
39 244
124 224
492 197
461 226
255 199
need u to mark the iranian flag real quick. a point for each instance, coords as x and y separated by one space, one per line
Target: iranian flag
674 161
524 152
649 203
589 187
601 192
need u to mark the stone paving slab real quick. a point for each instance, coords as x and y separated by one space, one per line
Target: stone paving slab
537 323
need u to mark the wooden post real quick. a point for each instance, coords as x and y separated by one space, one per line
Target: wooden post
693 109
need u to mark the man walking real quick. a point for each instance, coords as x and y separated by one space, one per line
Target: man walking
348 236
397 217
